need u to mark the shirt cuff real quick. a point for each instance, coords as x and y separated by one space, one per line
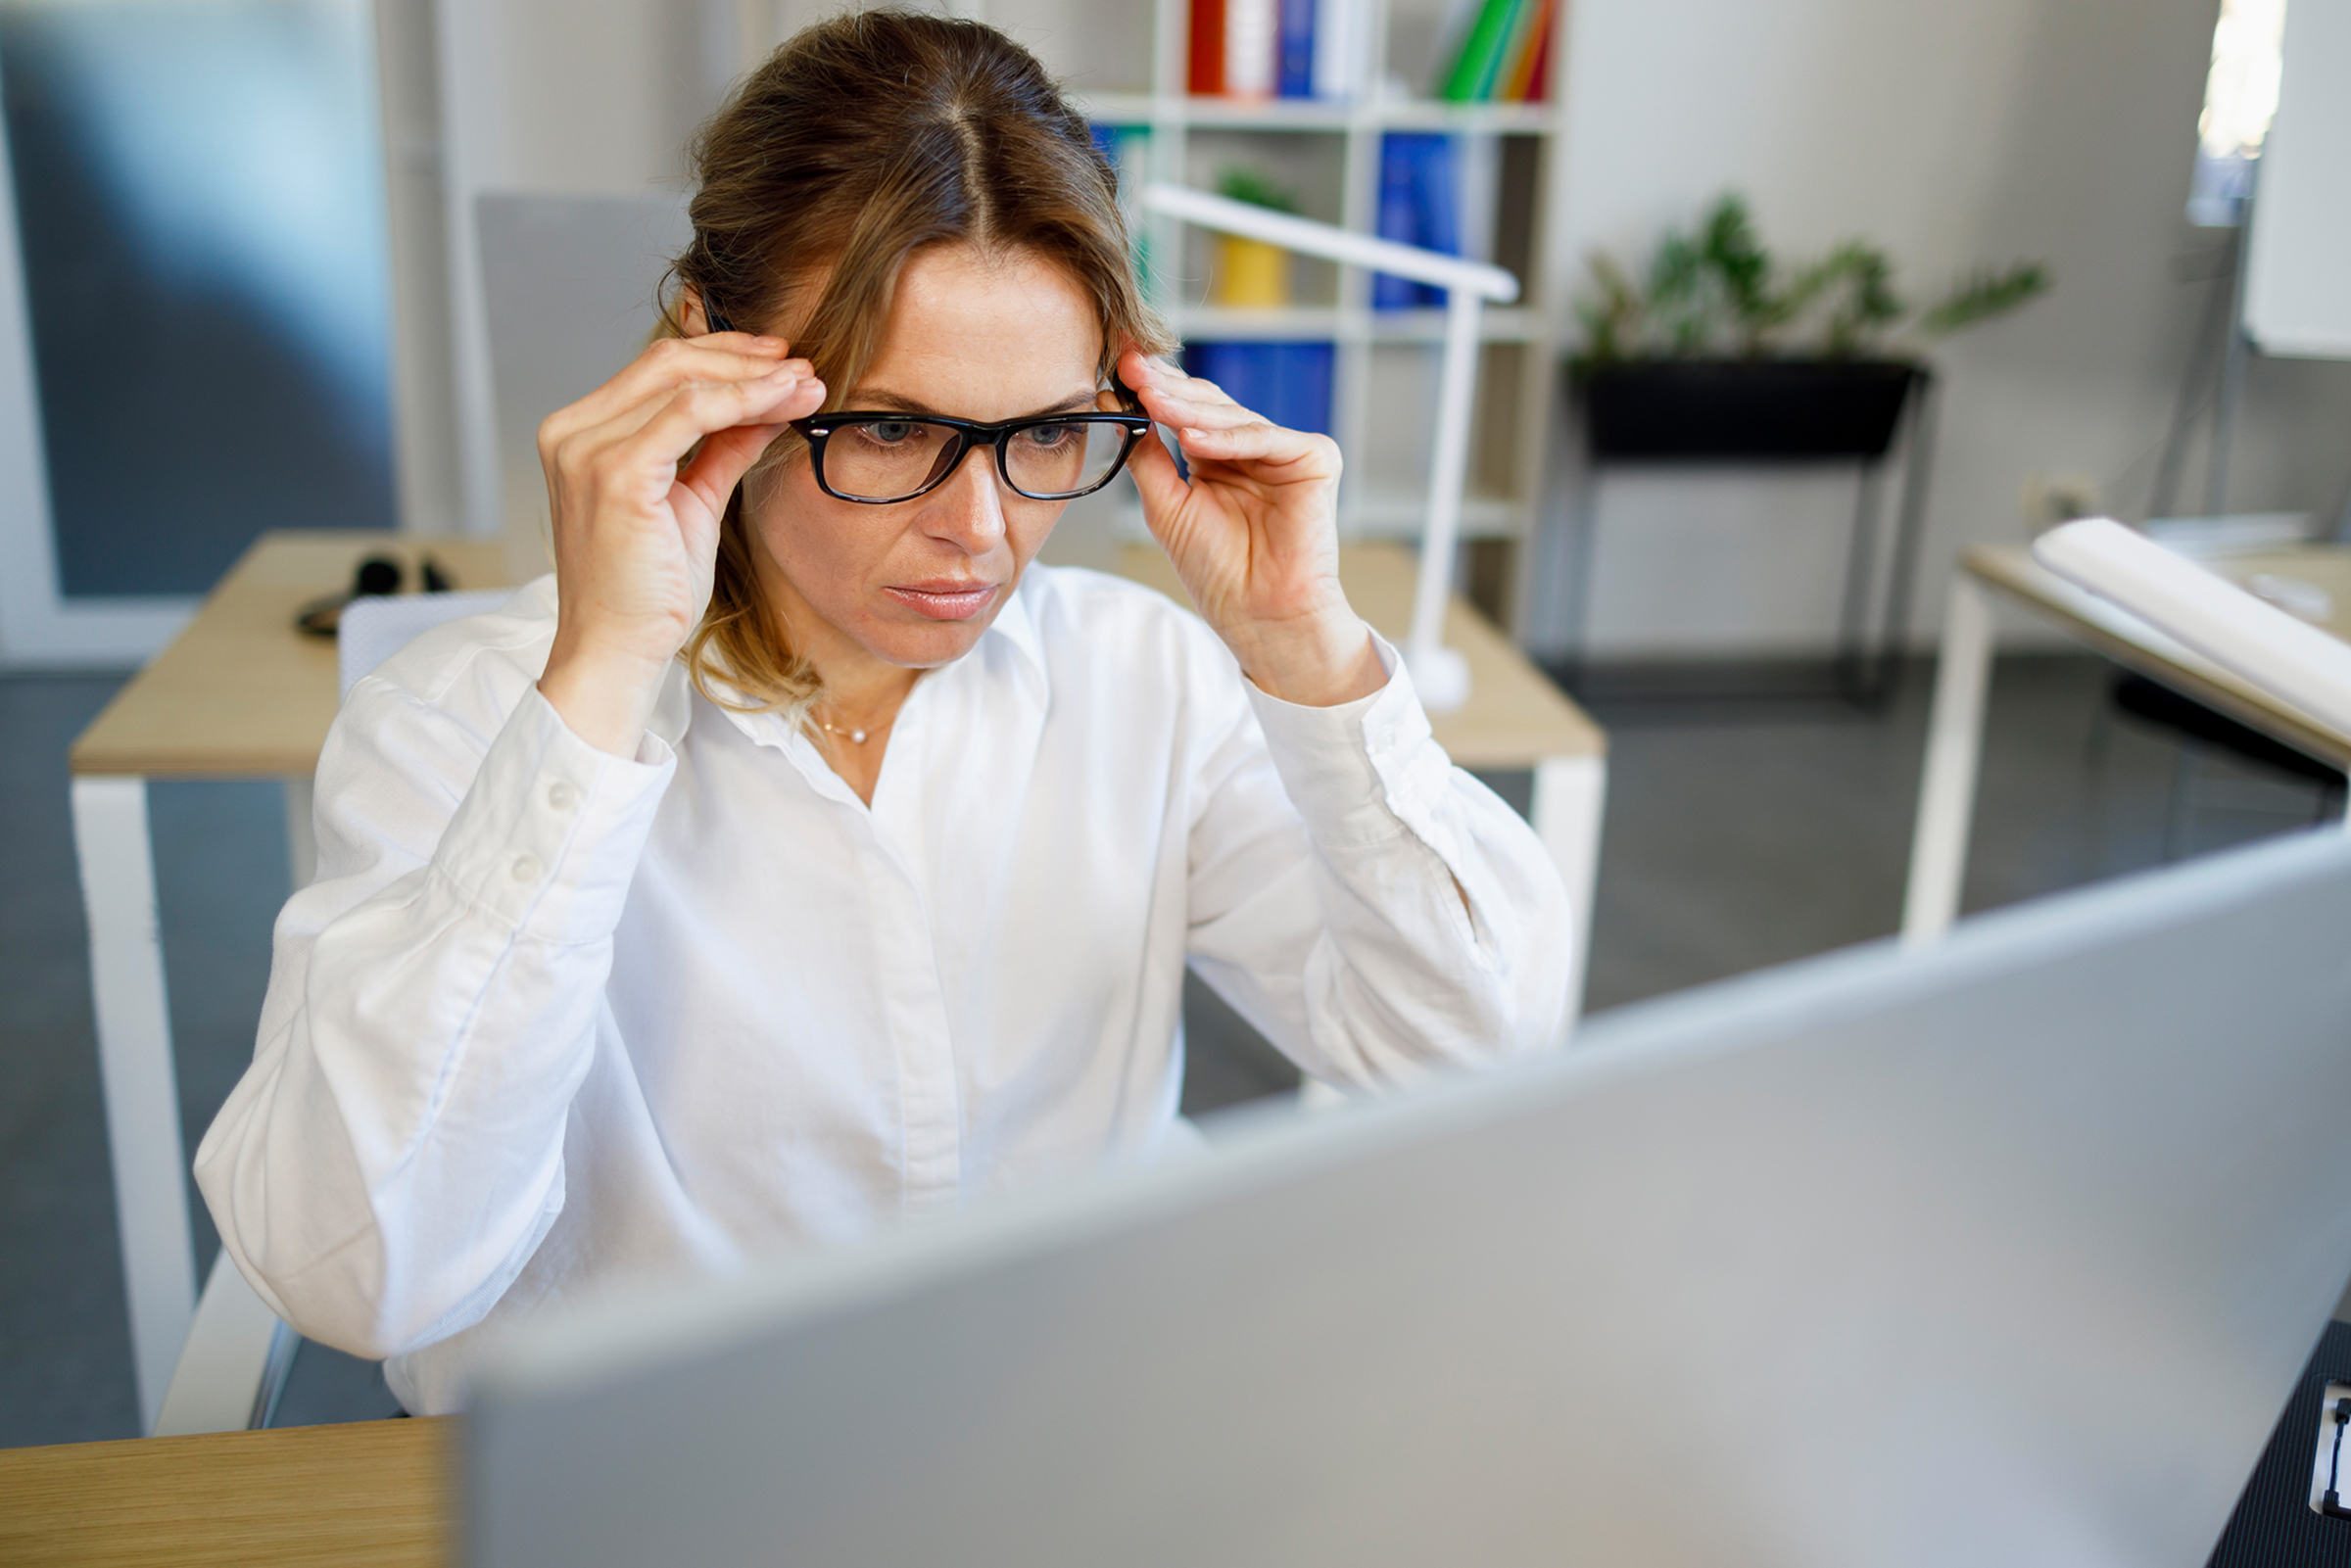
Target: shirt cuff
549 835
1361 772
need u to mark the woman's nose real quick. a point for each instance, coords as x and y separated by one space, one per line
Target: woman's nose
968 510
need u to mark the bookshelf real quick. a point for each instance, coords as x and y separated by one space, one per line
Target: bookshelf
1126 62
1329 153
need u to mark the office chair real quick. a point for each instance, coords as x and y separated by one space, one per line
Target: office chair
568 298
233 1365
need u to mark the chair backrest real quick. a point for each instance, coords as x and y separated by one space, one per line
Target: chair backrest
373 628
567 299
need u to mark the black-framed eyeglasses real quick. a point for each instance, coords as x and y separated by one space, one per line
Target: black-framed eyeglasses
877 457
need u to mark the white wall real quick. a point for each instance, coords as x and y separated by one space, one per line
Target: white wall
583 98
1952 133
572 97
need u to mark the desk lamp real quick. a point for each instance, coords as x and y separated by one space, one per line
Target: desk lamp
1440 674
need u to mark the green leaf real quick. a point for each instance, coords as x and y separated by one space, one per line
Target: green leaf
1240 184
1982 295
1612 319
1868 305
1731 249
1716 288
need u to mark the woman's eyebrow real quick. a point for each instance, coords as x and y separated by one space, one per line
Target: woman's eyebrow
876 398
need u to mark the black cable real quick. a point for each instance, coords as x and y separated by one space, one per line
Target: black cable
2332 1502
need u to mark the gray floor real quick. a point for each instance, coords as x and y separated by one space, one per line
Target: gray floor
1734 839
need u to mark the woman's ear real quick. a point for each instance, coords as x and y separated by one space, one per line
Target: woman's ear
690 314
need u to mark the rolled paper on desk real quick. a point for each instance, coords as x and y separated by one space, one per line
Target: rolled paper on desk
2296 663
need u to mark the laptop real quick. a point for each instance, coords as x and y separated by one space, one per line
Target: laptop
2003 1251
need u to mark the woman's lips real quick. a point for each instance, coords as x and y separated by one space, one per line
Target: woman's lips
945 599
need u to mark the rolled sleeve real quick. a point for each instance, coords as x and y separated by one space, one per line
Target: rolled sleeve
1426 925
548 837
1364 771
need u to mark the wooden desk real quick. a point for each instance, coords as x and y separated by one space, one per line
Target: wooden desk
239 695
370 1494
1954 735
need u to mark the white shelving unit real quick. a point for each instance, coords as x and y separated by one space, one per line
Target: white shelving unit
1126 62
1385 368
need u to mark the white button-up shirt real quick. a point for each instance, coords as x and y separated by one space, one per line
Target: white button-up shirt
548 1017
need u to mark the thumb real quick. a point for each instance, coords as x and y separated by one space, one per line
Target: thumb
726 456
1158 481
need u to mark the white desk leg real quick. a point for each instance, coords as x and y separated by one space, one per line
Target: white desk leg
302 836
1569 793
1947 789
134 1068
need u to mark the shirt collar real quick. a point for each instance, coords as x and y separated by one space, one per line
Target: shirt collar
1016 624
673 707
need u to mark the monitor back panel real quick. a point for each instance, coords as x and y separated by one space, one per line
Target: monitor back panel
2006 1252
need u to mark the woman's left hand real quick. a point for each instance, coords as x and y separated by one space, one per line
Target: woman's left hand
1254 535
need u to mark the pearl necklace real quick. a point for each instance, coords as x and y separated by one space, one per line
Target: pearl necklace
856 737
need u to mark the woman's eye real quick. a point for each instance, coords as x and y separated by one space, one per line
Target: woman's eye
889 432
1048 437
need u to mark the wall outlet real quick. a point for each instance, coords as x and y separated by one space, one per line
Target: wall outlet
2053 499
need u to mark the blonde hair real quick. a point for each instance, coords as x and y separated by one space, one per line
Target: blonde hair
861 141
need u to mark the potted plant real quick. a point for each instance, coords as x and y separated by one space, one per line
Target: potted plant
1720 352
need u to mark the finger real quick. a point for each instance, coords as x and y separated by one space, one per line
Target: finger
671 364
1140 369
1158 480
694 413
1144 373
1195 404
727 454
666 365
744 342
627 420
1262 450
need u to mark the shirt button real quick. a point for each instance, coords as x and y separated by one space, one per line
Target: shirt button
561 795
526 867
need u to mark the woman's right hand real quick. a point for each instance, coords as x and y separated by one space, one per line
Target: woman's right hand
635 534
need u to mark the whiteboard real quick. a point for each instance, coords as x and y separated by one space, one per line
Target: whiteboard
2298 282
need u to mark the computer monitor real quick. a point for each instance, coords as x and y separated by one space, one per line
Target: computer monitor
2005 1252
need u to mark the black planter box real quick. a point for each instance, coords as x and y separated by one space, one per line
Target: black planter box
1768 410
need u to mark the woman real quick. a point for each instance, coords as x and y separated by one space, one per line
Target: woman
800 856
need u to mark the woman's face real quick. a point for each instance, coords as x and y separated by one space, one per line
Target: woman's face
974 335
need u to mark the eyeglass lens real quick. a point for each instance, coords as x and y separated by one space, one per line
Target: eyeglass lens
889 459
